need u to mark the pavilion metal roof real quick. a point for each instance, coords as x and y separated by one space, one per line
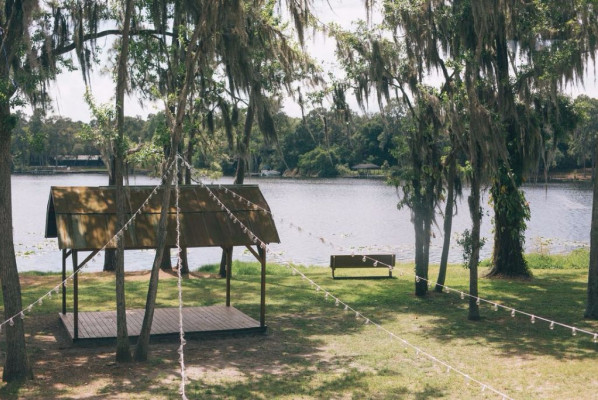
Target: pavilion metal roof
84 218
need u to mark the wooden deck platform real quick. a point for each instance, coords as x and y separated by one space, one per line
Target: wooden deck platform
197 321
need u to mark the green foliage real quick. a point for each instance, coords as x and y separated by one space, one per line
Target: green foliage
577 259
465 241
319 163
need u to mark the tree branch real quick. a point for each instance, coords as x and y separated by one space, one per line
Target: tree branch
93 36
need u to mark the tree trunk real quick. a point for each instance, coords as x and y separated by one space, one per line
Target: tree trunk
476 220
110 254
123 352
448 224
509 227
421 270
16 365
509 203
592 306
166 264
243 149
142 349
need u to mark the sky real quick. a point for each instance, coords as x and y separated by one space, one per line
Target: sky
68 90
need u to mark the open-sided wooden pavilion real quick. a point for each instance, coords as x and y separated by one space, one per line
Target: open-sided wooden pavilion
84 219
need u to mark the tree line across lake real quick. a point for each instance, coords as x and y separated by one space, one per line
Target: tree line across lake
322 144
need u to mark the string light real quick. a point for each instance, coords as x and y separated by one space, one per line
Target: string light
551 325
533 319
513 313
180 287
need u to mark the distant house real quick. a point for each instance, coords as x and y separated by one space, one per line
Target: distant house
366 169
83 160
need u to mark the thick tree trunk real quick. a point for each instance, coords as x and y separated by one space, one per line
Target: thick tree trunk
123 351
510 208
448 225
476 220
592 306
509 227
16 365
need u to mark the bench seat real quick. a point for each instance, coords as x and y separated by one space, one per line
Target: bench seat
362 261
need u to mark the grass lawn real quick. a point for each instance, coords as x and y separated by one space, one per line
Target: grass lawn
315 350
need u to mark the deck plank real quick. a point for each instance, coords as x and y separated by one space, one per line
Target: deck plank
217 318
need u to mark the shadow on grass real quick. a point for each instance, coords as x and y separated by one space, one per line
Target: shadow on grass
294 359
556 297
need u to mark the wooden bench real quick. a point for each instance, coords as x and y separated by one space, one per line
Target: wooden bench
358 261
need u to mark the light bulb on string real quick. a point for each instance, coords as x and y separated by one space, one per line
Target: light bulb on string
417 279
22 315
533 319
573 331
326 295
595 340
513 313
346 307
11 322
462 295
495 307
336 302
551 325
477 301
363 259
356 315
446 289
375 263
30 307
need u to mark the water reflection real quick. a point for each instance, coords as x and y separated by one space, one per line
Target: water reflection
358 215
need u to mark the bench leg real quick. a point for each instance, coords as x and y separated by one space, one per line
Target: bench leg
333 274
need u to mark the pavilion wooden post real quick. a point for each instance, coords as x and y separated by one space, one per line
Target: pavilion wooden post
228 251
262 253
75 296
64 257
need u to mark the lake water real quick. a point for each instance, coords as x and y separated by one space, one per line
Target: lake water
355 214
